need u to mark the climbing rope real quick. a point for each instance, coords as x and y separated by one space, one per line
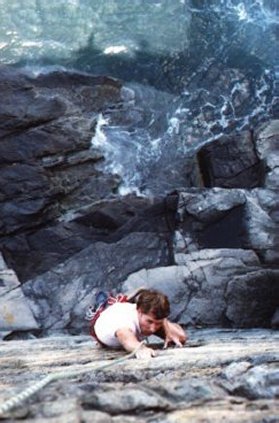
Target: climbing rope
27 393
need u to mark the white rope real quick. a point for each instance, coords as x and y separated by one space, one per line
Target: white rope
27 393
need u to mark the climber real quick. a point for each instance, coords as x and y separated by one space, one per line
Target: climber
125 321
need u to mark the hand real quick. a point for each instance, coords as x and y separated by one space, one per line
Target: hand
174 334
145 352
178 341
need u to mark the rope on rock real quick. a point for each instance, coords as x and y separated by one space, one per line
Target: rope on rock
27 393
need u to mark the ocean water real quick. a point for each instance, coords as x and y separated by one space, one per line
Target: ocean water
197 69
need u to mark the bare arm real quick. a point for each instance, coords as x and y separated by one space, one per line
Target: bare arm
130 342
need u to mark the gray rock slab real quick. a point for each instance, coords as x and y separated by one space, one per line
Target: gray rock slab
214 374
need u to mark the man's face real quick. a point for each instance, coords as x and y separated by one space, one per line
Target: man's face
148 323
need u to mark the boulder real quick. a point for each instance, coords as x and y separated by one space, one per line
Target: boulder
247 160
214 288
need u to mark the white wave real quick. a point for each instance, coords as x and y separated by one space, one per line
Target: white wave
100 139
116 49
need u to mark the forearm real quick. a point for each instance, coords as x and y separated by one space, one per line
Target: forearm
127 339
129 342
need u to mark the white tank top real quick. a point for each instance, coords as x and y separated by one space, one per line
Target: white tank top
115 317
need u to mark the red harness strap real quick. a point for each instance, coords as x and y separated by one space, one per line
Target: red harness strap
119 298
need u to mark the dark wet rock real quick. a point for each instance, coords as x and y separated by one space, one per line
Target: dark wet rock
47 163
231 162
211 218
36 252
21 106
45 149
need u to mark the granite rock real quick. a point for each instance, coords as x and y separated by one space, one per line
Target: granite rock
215 375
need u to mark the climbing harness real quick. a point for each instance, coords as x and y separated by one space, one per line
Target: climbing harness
23 396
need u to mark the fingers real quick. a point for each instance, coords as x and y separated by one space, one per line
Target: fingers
183 338
145 353
166 343
154 353
176 341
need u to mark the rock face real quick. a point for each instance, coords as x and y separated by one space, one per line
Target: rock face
54 195
213 287
260 205
46 155
222 374
212 245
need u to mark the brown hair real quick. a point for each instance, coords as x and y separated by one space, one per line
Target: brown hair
152 301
